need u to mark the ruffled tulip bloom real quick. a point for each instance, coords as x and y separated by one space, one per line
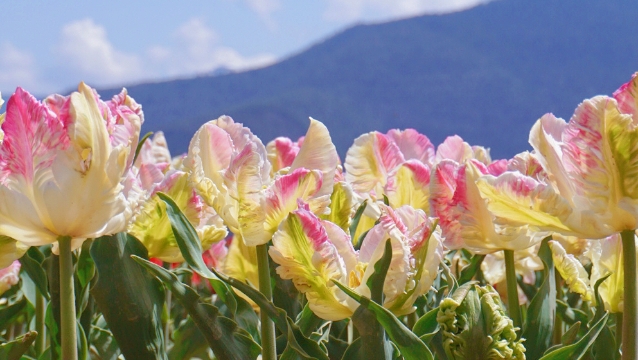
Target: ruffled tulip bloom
151 225
591 187
64 166
474 326
464 216
314 252
231 171
9 276
606 257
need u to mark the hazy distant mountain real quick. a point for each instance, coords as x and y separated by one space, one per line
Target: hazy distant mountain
486 74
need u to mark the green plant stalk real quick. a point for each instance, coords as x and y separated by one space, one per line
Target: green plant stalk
268 344
512 289
558 322
629 306
40 313
67 301
618 330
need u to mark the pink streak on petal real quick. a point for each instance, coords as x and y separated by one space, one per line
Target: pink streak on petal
413 145
313 229
286 151
32 131
497 167
627 97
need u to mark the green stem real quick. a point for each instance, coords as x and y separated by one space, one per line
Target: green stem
40 313
618 331
558 322
629 305
67 300
268 345
412 319
512 289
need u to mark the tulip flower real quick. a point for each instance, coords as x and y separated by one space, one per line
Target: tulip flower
313 252
9 276
64 165
65 177
591 188
233 176
464 216
474 326
151 225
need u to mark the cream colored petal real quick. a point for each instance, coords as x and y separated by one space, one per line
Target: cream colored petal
307 256
572 271
317 152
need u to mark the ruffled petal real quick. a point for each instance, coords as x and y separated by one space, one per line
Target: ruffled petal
281 153
341 205
317 152
282 197
369 160
572 271
306 255
413 145
627 97
454 148
408 184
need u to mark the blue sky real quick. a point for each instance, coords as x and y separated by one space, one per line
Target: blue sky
48 46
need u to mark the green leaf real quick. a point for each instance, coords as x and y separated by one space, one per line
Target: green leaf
427 326
14 350
411 347
130 299
305 347
226 339
577 350
541 312
31 263
357 217
141 143
188 341
471 269
103 341
570 335
191 248
307 322
85 271
9 313
377 279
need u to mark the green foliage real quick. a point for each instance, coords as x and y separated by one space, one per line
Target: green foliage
130 299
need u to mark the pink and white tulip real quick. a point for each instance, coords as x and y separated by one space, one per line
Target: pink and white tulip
9 276
313 252
64 164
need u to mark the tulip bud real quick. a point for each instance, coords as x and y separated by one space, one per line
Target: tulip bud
474 326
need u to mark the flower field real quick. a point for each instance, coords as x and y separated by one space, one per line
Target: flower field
111 247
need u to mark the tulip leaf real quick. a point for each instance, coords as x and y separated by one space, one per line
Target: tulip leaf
224 336
427 326
578 349
305 347
570 335
10 312
188 341
357 217
541 312
377 280
141 143
471 269
103 342
191 248
31 263
605 340
130 299
410 346
13 350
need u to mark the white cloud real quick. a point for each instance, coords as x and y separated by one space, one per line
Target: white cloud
85 49
351 10
17 68
196 50
87 54
264 7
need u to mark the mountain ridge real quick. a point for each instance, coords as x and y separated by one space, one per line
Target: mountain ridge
486 73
